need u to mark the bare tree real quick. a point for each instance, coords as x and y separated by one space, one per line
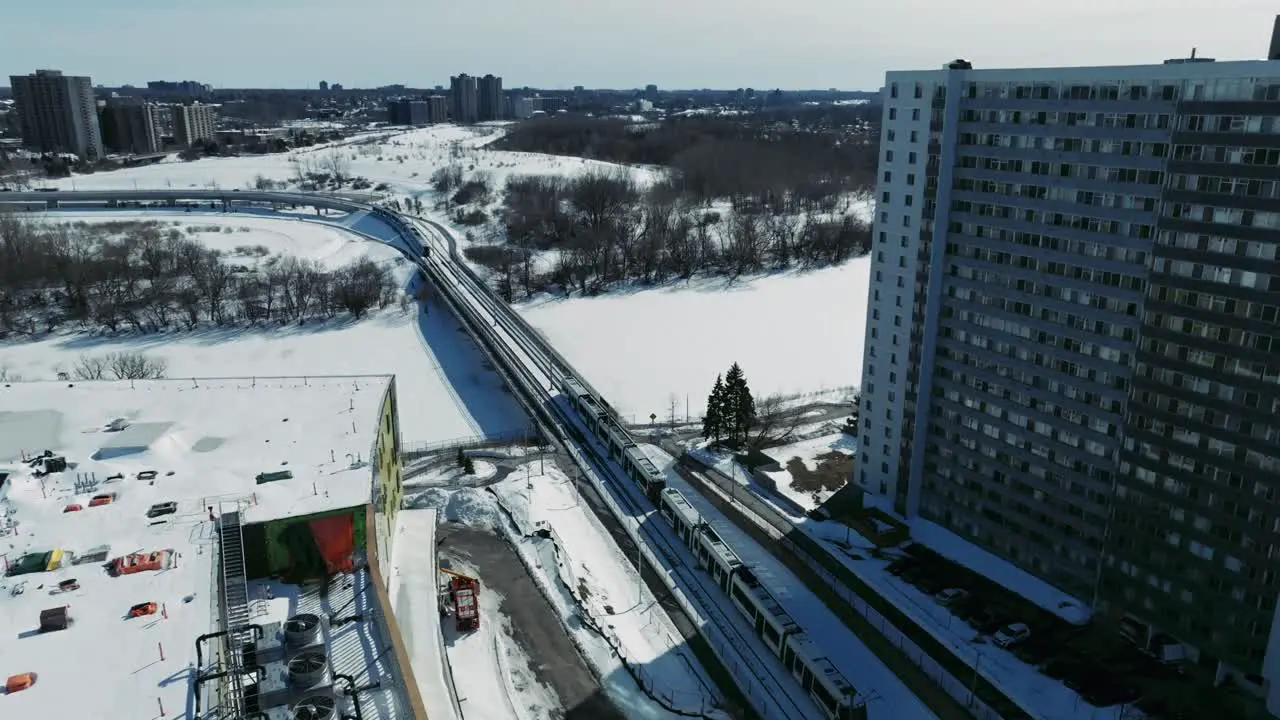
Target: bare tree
774 425
136 366
90 367
338 165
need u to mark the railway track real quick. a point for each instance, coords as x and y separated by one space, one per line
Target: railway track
540 371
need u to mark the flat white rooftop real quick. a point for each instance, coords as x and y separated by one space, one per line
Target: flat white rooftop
206 440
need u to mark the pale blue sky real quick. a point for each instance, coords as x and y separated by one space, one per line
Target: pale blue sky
605 43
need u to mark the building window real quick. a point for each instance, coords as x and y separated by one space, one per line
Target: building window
915 113
908 201
906 221
888 176
911 178
915 136
884 196
893 113
919 91
891 135
888 156
893 90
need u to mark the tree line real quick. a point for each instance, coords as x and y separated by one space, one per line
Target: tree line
607 230
762 161
146 277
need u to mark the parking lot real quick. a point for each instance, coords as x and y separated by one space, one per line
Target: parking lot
1093 659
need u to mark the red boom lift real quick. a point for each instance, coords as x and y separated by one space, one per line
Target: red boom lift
464 591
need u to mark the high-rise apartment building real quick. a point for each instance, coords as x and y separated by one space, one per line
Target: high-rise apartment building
407 111
437 109
192 123
463 96
1072 352
129 126
490 103
57 113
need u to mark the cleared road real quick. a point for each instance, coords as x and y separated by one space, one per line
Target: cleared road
534 623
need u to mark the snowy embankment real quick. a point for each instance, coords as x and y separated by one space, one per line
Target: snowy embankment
608 589
642 633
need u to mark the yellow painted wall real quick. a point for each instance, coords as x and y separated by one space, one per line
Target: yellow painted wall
388 473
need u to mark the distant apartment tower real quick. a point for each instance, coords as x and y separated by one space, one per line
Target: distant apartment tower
651 93
491 105
1072 352
57 113
463 96
129 126
324 86
193 123
407 111
437 109
523 108
184 87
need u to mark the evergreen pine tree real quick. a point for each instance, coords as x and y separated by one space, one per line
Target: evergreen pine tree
713 421
739 408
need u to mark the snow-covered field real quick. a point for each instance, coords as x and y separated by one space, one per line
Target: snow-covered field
646 350
793 332
444 392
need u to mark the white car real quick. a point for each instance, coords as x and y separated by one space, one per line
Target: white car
1011 634
951 596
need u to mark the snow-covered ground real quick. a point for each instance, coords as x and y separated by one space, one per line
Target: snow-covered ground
206 441
888 697
445 392
607 585
792 332
589 555
495 677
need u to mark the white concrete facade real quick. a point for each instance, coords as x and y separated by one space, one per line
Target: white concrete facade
900 200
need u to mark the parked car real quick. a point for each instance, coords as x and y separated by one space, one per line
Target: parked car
164 508
951 596
1011 635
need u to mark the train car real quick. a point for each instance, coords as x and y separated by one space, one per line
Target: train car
588 409
829 689
680 515
771 622
643 471
715 555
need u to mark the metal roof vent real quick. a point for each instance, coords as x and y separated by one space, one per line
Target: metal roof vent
301 630
307 669
314 707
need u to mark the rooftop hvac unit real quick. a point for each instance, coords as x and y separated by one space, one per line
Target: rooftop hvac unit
314 707
307 669
301 630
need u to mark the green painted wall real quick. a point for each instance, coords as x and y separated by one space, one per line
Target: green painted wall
272 549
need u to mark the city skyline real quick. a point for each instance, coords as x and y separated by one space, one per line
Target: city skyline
810 44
